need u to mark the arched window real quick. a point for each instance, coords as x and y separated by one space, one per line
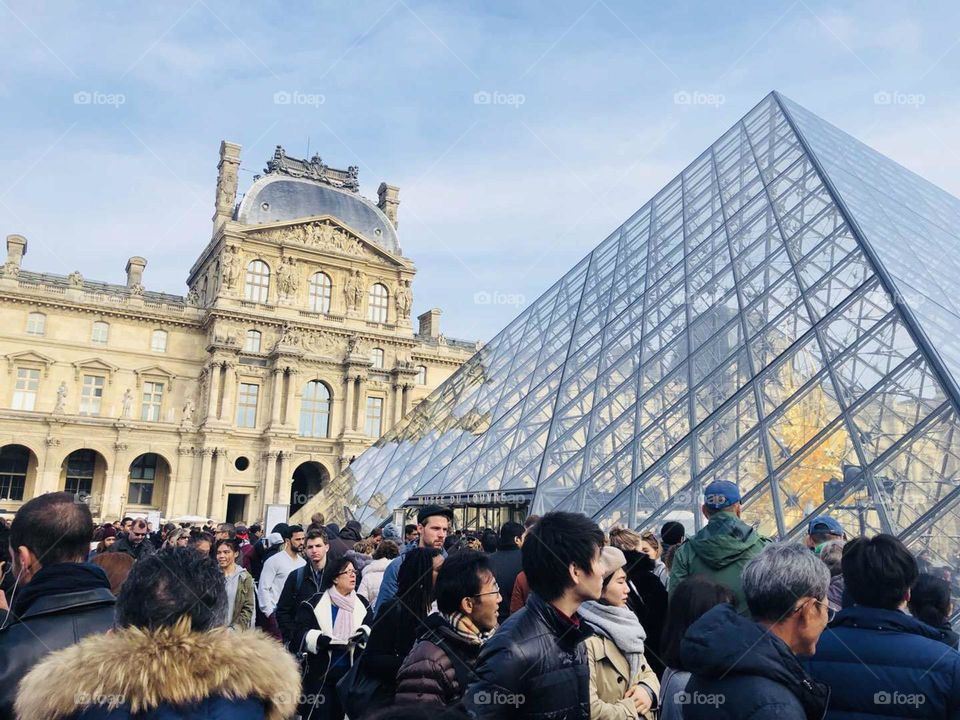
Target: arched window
158 342
421 374
377 304
143 473
252 341
36 324
257 285
315 410
376 357
100 332
321 288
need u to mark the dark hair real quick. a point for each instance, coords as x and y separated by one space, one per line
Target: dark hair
460 576
200 537
489 541
672 532
56 527
314 534
415 580
291 529
930 600
171 584
688 602
233 544
333 569
409 528
255 528
386 549
530 521
510 531
878 572
556 541
169 527
126 519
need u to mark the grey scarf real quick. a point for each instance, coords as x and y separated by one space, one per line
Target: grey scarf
620 625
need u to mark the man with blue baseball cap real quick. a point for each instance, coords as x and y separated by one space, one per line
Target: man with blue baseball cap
723 547
823 529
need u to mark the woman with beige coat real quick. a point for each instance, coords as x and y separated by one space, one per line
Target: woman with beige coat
622 685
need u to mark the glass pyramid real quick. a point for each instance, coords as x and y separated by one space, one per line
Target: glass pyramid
783 314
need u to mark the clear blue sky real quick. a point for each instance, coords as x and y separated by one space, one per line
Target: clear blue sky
520 133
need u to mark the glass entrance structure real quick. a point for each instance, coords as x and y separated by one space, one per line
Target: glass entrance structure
784 314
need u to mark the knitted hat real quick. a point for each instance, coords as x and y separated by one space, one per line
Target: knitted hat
611 560
390 532
108 531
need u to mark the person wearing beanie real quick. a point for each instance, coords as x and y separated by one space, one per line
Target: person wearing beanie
623 686
390 532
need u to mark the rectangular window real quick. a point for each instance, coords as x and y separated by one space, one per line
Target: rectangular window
247 405
158 341
36 324
101 331
374 416
421 375
152 400
91 395
25 391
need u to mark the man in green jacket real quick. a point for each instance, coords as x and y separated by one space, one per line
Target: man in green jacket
722 549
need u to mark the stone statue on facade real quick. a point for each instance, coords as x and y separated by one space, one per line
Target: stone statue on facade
193 298
61 398
288 282
353 290
187 413
404 300
75 279
231 266
127 406
137 290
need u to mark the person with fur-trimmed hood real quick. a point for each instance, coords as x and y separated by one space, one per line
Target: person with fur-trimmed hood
330 631
170 656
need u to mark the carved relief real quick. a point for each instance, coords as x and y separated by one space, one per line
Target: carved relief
318 234
288 281
404 299
353 290
231 265
75 279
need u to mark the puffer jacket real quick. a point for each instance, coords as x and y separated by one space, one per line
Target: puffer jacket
742 671
439 668
372 577
884 664
535 666
720 551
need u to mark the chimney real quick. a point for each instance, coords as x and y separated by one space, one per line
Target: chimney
388 199
430 324
227 172
16 249
135 266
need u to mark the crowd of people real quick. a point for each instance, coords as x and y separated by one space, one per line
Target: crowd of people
549 619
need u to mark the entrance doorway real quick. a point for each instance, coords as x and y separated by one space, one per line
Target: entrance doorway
308 480
236 508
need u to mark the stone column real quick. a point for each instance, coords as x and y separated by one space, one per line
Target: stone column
48 474
203 486
277 395
361 401
218 500
407 388
269 481
229 391
289 411
348 404
214 389
283 482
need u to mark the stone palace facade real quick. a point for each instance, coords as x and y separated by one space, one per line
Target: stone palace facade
291 352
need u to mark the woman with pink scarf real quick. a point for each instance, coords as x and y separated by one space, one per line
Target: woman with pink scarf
330 633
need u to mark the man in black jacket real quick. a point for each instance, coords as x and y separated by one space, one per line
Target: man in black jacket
535 666
303 583
135 543
747 669
59 598
506 564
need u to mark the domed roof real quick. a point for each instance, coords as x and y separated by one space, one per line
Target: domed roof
276 198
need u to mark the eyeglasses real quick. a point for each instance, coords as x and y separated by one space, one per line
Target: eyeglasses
349 573
495 591
801 606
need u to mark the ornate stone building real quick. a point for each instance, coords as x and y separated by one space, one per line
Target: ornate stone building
292 351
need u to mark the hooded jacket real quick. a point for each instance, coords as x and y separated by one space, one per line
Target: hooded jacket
742 671
371 579
171 672
534 667
720 551
885 663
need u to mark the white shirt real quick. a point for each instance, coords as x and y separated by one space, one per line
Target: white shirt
272 578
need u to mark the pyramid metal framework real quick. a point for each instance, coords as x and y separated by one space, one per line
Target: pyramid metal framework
779 315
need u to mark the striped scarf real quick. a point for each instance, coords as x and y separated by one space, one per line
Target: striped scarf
466 628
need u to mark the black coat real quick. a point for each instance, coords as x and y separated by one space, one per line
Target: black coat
534 666
392 636
300 586
50 622
506 564
439 668
742 671
648 600
124 545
